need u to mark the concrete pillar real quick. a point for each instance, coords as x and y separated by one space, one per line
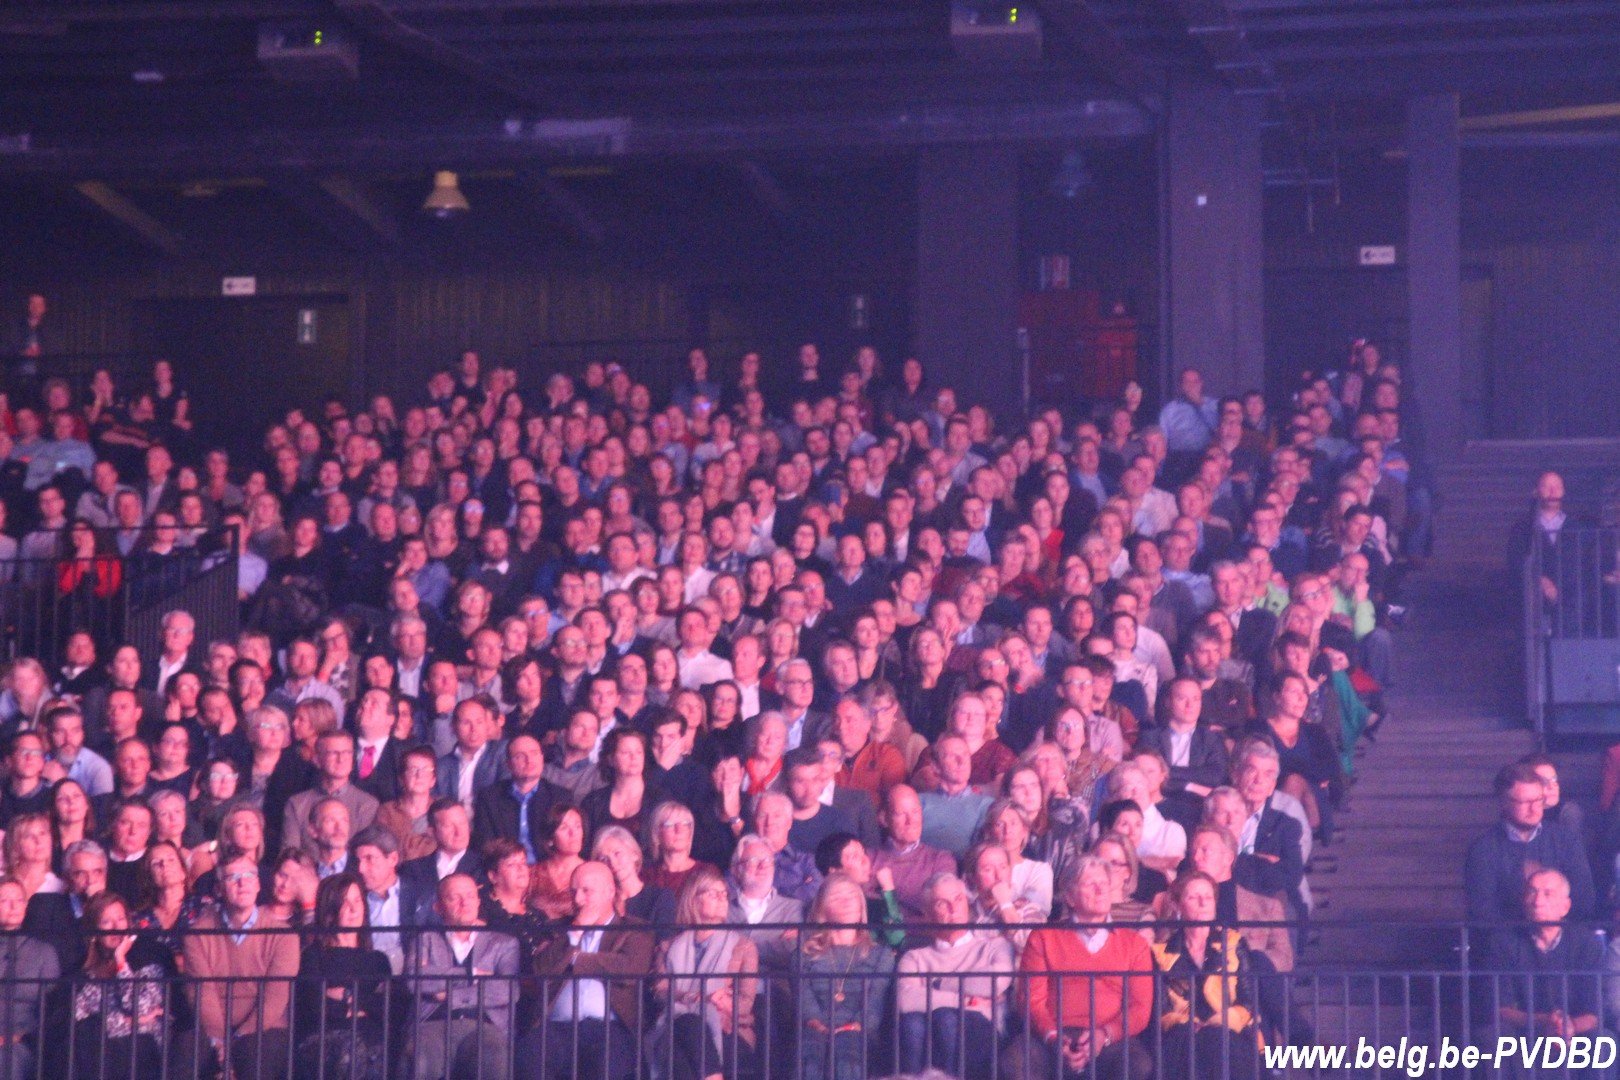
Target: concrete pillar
967 272
1434 266
1213 189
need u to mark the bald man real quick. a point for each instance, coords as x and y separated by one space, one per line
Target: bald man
581 995
463 1020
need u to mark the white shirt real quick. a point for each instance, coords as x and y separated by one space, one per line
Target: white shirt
1093 939
1161 836
462 949
753 910
445 864
1180 748
700 669
167 671
384 911
748 708
585 999
464 779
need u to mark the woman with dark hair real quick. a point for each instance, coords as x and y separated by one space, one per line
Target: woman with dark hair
171 758
928 689
218 786
72 817
629 796
340 994
551 879
86 570
294 885
707 981
167 910
118 1013
504 894
724 734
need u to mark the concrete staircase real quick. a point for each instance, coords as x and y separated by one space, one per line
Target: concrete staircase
1423 790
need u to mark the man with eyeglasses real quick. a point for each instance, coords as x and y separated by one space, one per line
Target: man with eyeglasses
241 980
334 758
1498 860
797 685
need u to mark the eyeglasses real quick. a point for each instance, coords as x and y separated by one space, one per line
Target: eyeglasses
30 753
758 861
241 876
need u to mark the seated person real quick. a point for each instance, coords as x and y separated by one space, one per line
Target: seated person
463 1018
953 1007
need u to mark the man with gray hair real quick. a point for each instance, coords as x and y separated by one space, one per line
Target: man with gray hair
1089 990
55 918
179 634
797 684
1271 857
953 1002
755 900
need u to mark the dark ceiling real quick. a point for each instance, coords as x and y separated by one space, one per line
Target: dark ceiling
132 99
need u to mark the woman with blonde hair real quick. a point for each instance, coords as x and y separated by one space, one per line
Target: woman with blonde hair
708 981
843 983
28 848
1118 854
669 847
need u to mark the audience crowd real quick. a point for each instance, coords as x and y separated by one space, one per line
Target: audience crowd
803 720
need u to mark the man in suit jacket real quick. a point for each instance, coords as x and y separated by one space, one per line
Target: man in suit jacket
1270 856
419 878
27 968
477 760
245 1023
376 752
591 985
755 901
1252 627
463 1019
517 810
1196 755
55 918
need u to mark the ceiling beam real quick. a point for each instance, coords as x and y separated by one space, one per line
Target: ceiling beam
358 200
563 205
339 207
766 190
48 18
1219 34
138 221
1092 39
1405 19
1566 114
1518 43
378 20
376 147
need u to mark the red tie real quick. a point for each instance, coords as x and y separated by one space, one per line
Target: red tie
368 761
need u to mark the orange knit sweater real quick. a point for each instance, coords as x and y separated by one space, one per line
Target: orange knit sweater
1057 955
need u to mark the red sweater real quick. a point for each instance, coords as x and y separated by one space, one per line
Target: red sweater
1058 955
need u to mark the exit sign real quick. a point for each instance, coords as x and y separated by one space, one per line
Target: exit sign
239 286
1378 255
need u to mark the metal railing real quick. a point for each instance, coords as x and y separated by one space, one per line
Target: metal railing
117 598
841 1015
1572 632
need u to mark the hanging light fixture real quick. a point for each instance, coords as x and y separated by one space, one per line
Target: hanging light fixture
446 199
